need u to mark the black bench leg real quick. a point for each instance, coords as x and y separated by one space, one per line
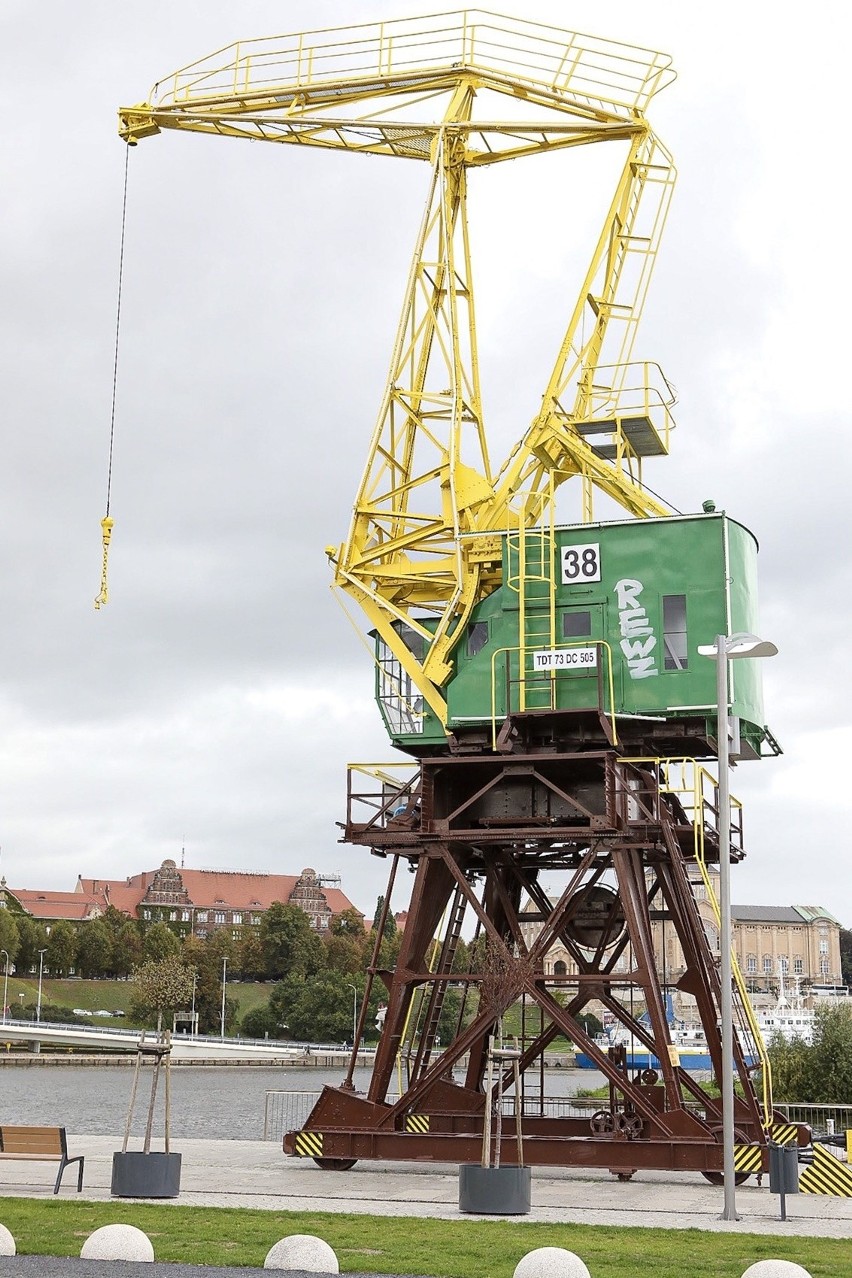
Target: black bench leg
66 1162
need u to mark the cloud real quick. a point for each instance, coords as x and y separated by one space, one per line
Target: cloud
218 697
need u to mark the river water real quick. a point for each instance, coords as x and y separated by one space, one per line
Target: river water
212 1102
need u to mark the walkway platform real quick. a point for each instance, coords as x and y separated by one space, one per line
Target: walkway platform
257 1174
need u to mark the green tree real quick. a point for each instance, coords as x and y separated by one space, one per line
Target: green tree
846 955
315 1009
820 1074
343 954
290 945
94 949
202 957
127 950
250 959
10 938
31 938
348 923
160 986
390 922
160 943
261 1022
114 919
61 948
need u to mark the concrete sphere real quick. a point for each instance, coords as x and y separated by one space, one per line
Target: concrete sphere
551 1262
776 1269
117 1242
304 1252
7 1242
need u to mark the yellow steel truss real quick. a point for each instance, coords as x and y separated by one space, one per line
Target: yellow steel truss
422 538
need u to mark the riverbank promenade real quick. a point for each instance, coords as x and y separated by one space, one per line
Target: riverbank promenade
231 1173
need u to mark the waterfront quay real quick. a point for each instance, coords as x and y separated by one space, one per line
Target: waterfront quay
256 1174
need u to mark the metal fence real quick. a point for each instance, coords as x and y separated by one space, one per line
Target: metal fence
825 1120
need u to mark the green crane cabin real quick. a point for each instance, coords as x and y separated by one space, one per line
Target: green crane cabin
602 620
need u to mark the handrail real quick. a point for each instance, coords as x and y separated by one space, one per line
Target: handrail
700 775
603 74
523 650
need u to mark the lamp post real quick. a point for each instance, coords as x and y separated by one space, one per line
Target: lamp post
194 1028
41 955
354 989
224 987
5 984
727 648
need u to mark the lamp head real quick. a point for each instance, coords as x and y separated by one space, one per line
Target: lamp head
741 644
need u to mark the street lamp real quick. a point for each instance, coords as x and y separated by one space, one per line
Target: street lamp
41 955
224 986
728 648
354 989
5 984
193 1023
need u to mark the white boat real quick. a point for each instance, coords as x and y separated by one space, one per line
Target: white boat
788 1019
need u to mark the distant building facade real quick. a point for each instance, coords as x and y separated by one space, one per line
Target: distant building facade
800 942
191 902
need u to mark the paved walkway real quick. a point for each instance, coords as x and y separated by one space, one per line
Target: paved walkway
257 1174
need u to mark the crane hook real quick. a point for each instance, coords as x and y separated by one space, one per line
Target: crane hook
106 533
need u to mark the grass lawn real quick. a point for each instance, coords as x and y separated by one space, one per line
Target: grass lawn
111 996
405 1245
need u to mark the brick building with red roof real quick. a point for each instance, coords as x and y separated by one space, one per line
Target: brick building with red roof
199 902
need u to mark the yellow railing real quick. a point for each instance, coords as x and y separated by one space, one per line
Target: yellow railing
601 73
524 679
699 788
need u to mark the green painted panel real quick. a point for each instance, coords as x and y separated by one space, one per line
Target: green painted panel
639 594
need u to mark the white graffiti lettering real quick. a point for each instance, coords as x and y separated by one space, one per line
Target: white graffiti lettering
638 638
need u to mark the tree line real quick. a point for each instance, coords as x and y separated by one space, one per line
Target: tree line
319 978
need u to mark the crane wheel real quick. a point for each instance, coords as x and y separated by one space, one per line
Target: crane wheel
717 1177
335 1164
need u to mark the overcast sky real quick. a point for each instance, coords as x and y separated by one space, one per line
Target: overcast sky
215 702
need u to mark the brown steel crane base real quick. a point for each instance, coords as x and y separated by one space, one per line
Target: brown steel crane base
482 832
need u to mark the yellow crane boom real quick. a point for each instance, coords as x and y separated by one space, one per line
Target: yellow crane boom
461 91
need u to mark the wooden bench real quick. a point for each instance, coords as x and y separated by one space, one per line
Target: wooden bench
39 1144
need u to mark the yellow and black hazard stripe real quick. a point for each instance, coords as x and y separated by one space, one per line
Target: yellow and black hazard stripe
826 1175
417 1122
784 1133
308 1144
748 1158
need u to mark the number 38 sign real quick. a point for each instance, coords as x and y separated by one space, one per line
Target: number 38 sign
581 563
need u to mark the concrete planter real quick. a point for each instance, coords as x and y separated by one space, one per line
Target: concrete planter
494 1191
139 1175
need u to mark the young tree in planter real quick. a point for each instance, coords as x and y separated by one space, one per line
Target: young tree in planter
159 986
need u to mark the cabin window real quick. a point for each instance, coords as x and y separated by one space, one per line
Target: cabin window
674 632
399 697
576 624
477 637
